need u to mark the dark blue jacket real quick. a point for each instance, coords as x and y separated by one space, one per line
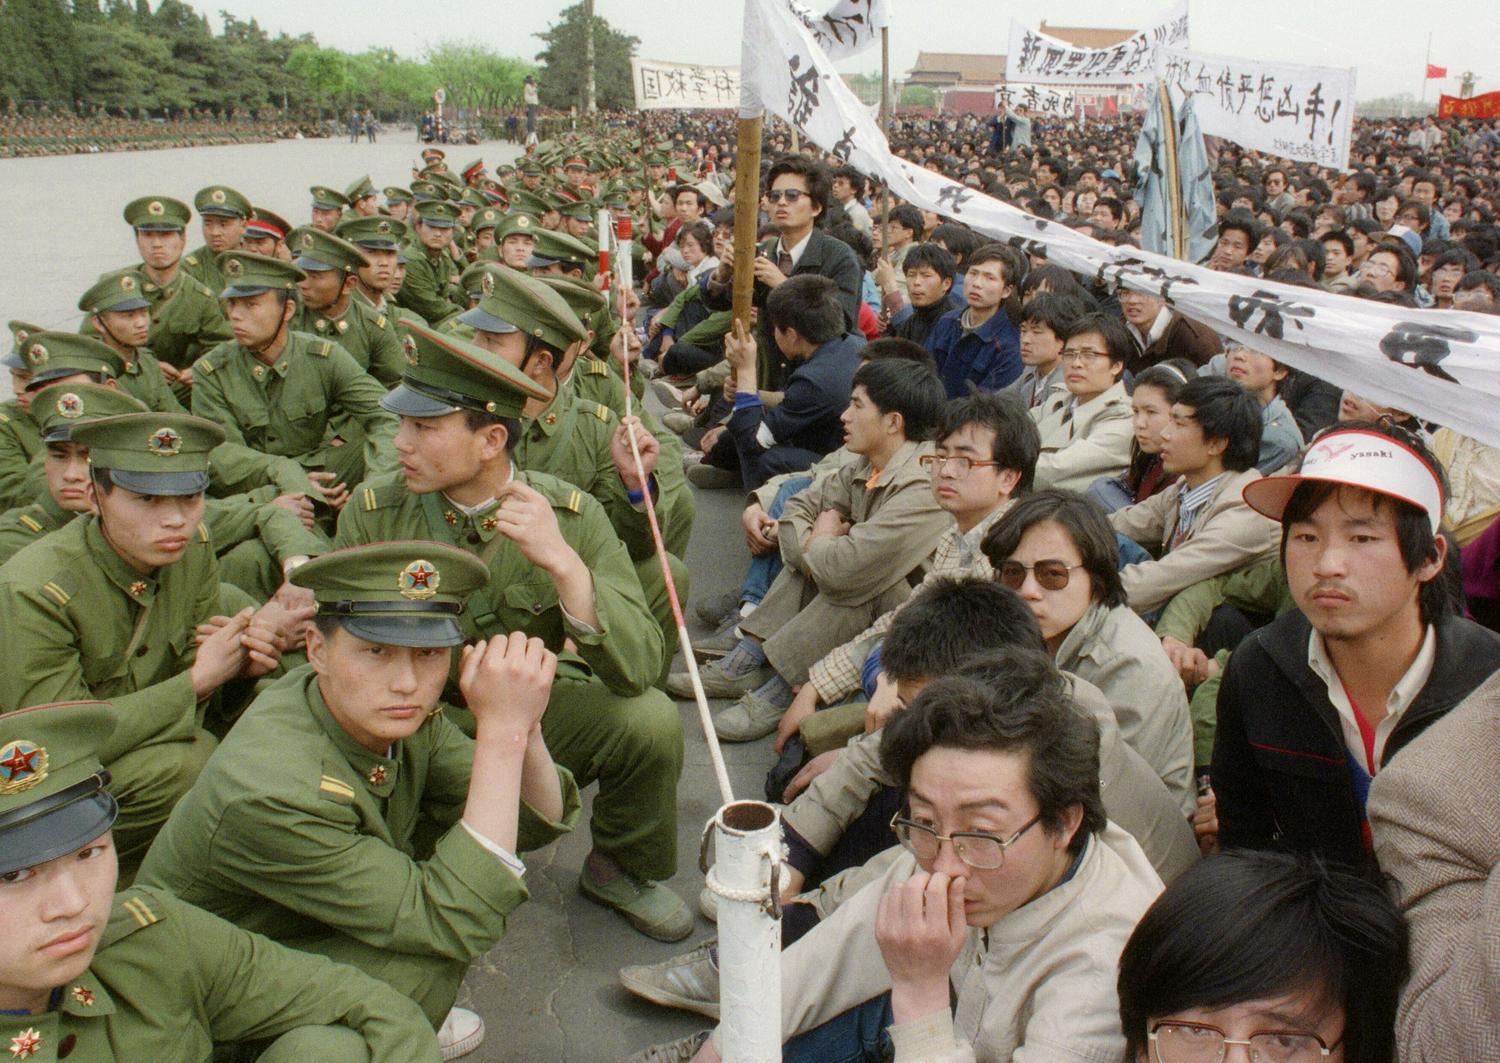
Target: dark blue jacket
989 357
816 393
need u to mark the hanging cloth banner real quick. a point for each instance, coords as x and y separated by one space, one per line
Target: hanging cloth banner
683 86
1486 106
1038 100
1301 113
1437 364
850 27
1035 56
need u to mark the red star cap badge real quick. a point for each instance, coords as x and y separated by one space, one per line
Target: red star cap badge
24 1044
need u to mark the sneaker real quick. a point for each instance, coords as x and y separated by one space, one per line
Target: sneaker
708 904
677 421
716 684
689 981
711 477
749 718
721 643
665 393
714 611
462 1032
678 1051
650 907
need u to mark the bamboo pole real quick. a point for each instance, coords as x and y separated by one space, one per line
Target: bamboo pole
1177 223
746 213
885 129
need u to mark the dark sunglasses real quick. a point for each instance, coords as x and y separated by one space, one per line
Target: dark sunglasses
791 195
1051 575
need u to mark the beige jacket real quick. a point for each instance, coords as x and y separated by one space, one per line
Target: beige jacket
1080 446
1116 651
896 527
1435 814
1227 535
1038 985
1134 795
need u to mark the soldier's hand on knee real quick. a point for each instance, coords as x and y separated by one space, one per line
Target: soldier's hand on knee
507 680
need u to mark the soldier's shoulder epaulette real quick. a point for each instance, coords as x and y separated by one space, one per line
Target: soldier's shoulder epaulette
599 410
134 910
595 367
380 321
203 536
26 520
204 289
4 418
332 783
373 496
321 348
561 494
191 260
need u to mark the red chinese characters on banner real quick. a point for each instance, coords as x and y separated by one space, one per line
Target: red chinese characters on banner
1486 106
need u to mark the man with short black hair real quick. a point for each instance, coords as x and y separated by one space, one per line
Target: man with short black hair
1239 233
1200 525
848 189
1161 332
1338 256
979 347
928 274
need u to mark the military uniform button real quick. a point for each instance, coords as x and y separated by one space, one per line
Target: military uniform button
472 537
142 651
66 1045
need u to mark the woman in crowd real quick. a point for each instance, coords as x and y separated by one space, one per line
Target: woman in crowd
1151 401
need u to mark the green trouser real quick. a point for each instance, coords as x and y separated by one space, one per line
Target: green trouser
148 782
323 1044
429 979
633 747
250 567
654 584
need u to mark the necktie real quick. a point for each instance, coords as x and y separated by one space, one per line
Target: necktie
784 262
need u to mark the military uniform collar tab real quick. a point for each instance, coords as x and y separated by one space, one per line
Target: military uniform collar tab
140 588
86 998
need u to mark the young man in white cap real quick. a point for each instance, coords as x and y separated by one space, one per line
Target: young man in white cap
1314 704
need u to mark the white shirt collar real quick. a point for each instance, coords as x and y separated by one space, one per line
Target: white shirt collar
795 252
1402 694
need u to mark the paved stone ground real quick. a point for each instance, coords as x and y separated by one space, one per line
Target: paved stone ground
549 990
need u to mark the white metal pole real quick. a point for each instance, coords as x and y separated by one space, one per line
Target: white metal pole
745 876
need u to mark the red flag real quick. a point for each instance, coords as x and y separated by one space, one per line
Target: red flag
1436 71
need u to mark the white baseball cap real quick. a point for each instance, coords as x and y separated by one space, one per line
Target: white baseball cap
1358 458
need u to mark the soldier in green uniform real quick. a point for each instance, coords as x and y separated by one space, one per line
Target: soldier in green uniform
222 212
92 976
380 239
482 230
346 780
397 201
516 239
579 441
531 173
121 315
364 201
185 315
265 234
559 573
330 310
578 219
431 285
275 390
109 607
20 436
328 206
65 466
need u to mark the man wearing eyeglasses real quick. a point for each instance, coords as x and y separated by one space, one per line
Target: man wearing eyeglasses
1015 894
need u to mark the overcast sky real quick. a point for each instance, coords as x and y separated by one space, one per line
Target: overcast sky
1386 40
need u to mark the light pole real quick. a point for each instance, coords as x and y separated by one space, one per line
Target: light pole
589 105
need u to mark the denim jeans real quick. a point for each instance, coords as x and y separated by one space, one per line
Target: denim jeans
1110 492
857 1036
764 569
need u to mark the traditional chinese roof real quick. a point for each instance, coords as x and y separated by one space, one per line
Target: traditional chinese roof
1087 36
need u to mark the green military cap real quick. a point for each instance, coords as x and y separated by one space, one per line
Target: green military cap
431 154
517 225
505 169
152 453
52 355
378 232
58 408
251 274
582 210
518 302
445 374
472 197
529 202
618 198
437 213
119 290
266 224
325 198
358 190
582 297
53 799
319 252
530 166
472 279
486 218
222 200
422 191
19 330
157 214
553 246
395 593
396 194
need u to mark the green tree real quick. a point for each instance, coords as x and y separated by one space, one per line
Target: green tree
475 76
918 96
39 57
325 72
561 81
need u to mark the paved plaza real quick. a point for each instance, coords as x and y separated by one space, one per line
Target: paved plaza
549 990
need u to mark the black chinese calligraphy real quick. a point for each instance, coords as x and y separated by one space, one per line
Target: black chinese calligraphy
1424 346
1272 310
802 98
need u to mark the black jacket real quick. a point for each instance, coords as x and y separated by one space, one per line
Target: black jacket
1280 767
823 255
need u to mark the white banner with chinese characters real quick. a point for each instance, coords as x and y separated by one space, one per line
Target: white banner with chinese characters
684 86
1442 365
1037 100
1302 113
849 27
1037 57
